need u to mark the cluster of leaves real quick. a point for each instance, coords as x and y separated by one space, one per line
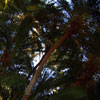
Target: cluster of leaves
28 27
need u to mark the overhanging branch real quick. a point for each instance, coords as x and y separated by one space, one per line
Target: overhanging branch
38 72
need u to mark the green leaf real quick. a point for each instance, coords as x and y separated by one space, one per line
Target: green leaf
71 93
6 2
12 79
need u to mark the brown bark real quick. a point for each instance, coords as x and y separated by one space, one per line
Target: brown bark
36 75
7 60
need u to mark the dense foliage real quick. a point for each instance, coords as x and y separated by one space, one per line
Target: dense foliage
29 28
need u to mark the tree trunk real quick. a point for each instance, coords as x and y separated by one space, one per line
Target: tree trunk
38 72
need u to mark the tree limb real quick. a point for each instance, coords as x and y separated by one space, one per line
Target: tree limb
36 75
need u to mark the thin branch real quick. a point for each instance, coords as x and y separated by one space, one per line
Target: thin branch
34 69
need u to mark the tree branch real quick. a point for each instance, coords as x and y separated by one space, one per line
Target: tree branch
34 69
36 75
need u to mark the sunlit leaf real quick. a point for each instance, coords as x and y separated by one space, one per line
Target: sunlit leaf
6 2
